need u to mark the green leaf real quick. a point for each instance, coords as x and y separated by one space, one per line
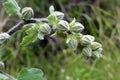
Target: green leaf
12 7
72 22
40 36
52 19
31 74
31 36
51 9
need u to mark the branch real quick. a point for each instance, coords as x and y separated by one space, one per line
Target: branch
20 24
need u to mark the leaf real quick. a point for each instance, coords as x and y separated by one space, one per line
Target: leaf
28 39
31 74
40 36
12 7
31 37
54 26
52 19
51 9
72 22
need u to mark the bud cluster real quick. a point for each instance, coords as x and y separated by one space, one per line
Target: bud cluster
90 47
73 29
55 19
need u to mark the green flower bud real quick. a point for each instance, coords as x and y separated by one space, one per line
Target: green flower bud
100 49
77 27
2 66
97 54
72 42
51 9
95 45
63 25
86 40
58 14
27 13
45 28
87 51
3 37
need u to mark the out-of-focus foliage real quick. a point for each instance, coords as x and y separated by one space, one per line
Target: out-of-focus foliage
31 74
101 19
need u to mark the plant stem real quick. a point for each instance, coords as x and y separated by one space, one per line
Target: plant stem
20 24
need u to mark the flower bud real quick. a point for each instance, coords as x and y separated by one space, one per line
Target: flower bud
77 27
87 51
3 37
100 49
63 25
97 54
27 13
45 28
72 42
95 45
86 40
58 14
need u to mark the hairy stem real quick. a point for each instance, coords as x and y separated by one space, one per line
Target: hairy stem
20 24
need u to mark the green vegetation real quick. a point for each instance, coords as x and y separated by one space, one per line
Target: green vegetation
101 19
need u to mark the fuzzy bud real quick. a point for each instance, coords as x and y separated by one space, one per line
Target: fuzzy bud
87 39
87 51
3 37
58 14
95 45
100 49
77 27
45 28
63 25
27 13
72 42
97 54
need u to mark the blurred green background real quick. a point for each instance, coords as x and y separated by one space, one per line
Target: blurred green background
101 19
